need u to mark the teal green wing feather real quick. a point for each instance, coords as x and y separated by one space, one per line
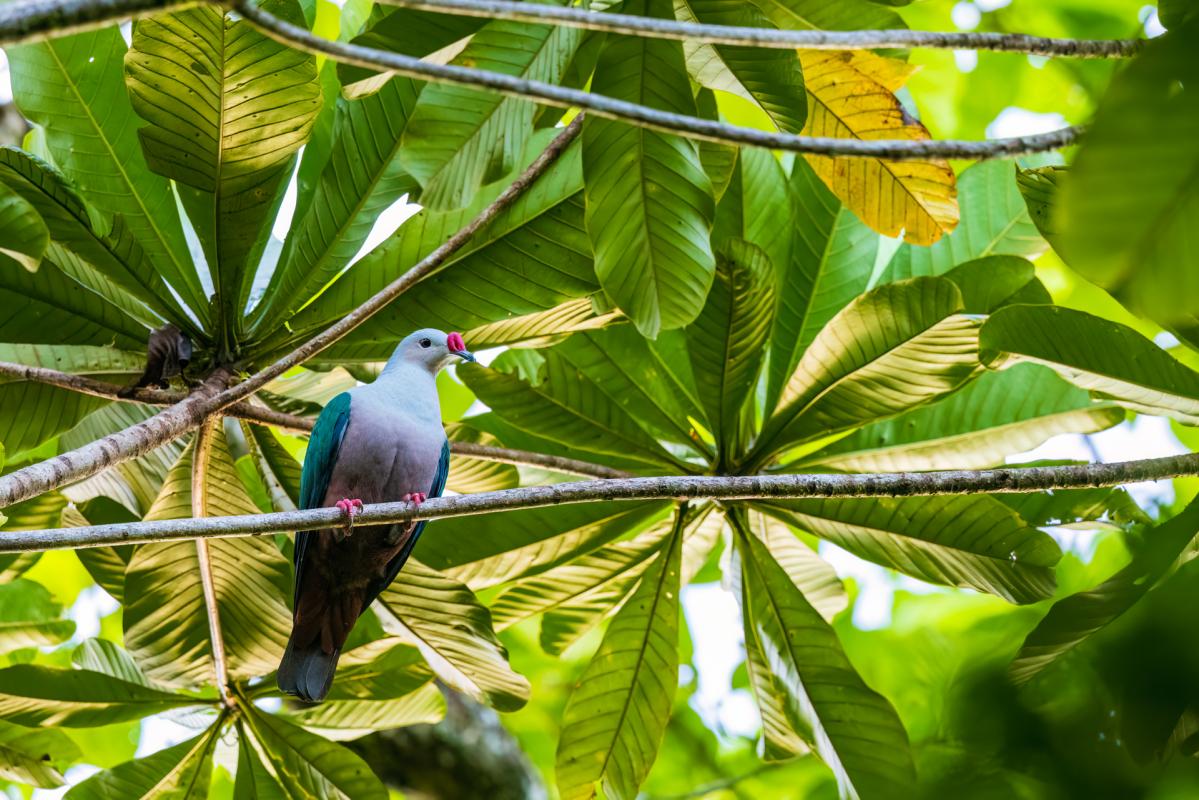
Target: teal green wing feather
319 462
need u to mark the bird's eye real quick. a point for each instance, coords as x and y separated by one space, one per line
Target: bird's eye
426 343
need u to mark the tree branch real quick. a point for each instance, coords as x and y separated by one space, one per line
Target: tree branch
201 456
650 27
568 466
666 121
28 20
754 487
210 399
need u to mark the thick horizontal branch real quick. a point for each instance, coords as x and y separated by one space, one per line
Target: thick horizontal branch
773 37
208 400
29 20
666 121
758 487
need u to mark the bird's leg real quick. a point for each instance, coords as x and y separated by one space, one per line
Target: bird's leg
349 507
416 498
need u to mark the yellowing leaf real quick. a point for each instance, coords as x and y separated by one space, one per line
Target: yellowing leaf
850 96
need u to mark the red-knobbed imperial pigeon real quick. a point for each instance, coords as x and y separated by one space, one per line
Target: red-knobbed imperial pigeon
377 443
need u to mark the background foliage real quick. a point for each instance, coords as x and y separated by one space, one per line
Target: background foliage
655 306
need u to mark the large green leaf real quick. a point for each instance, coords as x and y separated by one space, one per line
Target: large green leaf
853 729
73 87
29 617
727 341
770 78
101 655
897 347
115 255
458 138
227 109
995 221
166 625
1107 358
756 207
351 719
362 177
821 15
533 257
1071 620
1129 204
253 781
32 413
970 541
180 772
489 549
566 407
618 710
832 257
812 575
1000 414
36 757
73 698
23 235
307 765
649 201
453 632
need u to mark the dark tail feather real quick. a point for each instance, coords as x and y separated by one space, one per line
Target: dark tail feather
307 672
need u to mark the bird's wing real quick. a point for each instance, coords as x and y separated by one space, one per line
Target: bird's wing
397 561
319 462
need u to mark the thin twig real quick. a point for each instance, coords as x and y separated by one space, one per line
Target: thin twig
208 399
568 466
29 20
756 487
773 37
667 121
201 452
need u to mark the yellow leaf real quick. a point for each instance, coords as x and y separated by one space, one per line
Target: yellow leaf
850 96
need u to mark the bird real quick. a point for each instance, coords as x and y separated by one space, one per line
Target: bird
378 442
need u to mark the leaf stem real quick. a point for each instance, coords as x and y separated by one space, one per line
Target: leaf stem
752 487
199 504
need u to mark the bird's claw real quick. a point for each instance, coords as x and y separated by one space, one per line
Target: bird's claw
416 498
350 507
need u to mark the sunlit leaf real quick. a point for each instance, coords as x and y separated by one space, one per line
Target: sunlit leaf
180 772
36 757
73 698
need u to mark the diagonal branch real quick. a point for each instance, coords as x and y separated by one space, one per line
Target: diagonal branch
666 121
756 487
201 455
209 399
29 20
653 28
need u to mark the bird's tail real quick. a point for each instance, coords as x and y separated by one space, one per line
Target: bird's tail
307 671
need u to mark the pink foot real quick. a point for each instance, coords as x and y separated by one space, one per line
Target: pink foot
416 498
350 507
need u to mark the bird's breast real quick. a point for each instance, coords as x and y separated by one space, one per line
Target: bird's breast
385 455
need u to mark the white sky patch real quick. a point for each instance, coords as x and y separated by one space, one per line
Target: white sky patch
387 223
5 79
966 16
714 621
1015 121
1166 340
965 60
159 733
76 774
992 5
1149 20
92 605
287 208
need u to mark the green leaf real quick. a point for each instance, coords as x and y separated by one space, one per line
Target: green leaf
34 695
307 765
812 575
1039 186
250 103
23 235
971 541
819 15
351 719
568 408
1073 619
617 713
254 781
755 207
832 256
178 773
276 466
490 549
166 626
1107 358
362 177
995 221
36 757
718 160
895 348
459 138
101 655
999 414
1128 207
853 729
649 202
989 283
32 413
770 78
120 265
453 632
727 340
1175 12
73 88
477 474
29 617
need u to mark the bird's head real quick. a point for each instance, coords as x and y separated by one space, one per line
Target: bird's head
432 349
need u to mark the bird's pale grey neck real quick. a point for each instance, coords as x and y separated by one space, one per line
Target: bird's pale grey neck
413 387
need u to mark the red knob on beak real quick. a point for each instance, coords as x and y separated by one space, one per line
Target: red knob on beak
454 342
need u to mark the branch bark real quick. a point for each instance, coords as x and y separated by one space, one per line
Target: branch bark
210 399
666 121
29 20
649 27
755 487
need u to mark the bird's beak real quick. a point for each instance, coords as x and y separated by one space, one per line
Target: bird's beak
465 355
